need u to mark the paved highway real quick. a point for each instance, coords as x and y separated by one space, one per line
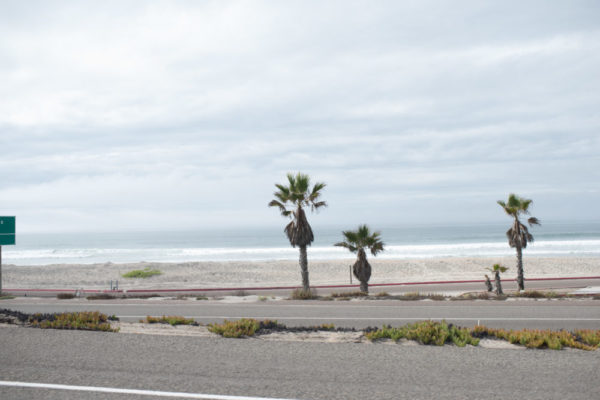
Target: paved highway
525 313
288 370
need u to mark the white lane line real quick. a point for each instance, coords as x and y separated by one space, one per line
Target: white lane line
371 318
131 391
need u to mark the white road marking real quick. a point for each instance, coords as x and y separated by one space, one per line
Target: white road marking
131 391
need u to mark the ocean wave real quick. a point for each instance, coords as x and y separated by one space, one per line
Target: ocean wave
100 255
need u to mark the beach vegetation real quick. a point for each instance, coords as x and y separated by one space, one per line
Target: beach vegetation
357 293
382 294
291 200
85 320
356 242
262 298
542 339
101 296
6 297
302 294
65 296
142 273
426 332
518 234
535 294
171 320
235 329
201 298
497 269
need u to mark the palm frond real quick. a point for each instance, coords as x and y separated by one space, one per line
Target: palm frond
534 221
346 245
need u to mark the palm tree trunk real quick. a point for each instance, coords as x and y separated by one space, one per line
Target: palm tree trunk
304 267
364 286
520 277
498 284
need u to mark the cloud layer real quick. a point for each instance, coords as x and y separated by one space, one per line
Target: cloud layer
179 115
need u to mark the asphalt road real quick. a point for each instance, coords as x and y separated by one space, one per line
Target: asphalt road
525 313
288 370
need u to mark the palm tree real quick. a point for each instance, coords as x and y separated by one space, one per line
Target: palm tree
518 235
497 269
356 242
296 196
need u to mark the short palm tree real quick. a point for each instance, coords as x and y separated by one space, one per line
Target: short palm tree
356 242
518 235
291 201
497 269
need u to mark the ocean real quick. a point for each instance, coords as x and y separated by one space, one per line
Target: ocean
402 242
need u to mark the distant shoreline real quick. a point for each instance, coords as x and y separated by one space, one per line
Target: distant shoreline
260 273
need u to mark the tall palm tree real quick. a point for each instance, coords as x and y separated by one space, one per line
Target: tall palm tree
356 242
518 235
497 269
291 201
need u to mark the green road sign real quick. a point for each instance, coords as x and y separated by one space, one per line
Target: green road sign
7 230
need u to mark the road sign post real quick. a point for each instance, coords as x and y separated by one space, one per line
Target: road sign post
7 237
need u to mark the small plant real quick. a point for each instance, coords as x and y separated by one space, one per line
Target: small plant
201 298
262 298
142 273
382 294
235 329
301 294
357 293
6 297
426 332
535 294
171 320
101 296
89 321
65 296
540 339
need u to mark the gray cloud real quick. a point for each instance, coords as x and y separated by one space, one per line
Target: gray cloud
118 115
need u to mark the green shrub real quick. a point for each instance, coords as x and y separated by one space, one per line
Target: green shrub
426 332
141 273
171 319
357 293
101 296
6 297
65 296
201 298
86 320
262 298
301 294
235 329
540 339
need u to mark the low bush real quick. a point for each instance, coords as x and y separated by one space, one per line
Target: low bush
235 329
171 319
6 297
101 296
86 320
201 298
426 332
357 293
541 339
301 294
535 294
382 294
142 273
65 296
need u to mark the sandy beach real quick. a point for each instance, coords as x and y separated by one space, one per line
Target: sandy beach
282 273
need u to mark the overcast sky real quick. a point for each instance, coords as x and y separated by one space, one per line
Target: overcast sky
182 115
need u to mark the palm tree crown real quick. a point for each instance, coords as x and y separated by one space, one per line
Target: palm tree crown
518 235
297 195
361 239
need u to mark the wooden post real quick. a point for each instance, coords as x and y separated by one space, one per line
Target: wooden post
350 268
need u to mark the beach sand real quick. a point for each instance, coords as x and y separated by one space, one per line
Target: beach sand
283 273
